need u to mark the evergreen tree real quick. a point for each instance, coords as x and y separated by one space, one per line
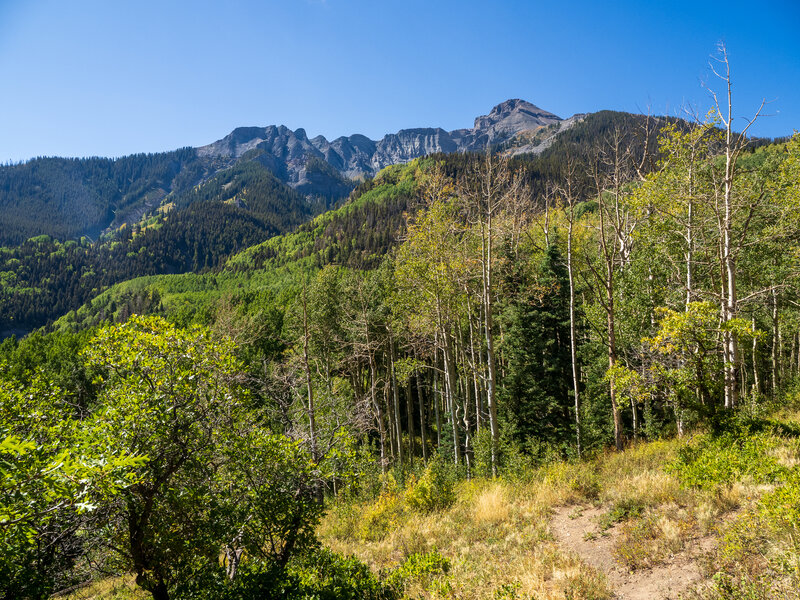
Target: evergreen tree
536 388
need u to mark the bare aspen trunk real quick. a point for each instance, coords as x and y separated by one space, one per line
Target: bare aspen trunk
729 339
436 395
572 340
396 400
731 241
410 421
756 377
378 411
775 341
475 375
422 424
387 393
490 358
609 254
730 307
612 361
689 254
465 386
450 380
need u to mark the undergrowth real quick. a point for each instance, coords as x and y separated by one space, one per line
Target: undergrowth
758 555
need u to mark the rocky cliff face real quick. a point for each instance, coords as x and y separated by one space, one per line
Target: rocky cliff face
286 152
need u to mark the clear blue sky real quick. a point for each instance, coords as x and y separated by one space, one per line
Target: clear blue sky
112 77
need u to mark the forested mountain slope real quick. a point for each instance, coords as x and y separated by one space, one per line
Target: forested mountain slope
43 277
70 198
369 224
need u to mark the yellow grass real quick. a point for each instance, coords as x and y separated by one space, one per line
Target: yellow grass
497 534
111 588
491 505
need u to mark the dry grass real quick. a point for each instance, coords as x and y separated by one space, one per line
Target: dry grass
491 505
497 534
654 538
497 539
788 454
111 588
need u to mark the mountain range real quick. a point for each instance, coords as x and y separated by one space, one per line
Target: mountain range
286 152
69 198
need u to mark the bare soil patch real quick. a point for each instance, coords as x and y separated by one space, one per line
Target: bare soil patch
576 529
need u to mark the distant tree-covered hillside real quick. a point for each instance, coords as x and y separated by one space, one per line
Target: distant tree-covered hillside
67 198
43 278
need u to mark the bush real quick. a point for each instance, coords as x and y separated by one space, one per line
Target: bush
325 575
434 490
782 506
319 575
418 568
781 511
622 510
382 516
726 458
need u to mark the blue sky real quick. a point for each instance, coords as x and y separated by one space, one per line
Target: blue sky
108 78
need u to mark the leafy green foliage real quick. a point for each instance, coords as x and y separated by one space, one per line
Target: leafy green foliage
327 576
215 479
420 568
434 490
734 454
55 471
316 575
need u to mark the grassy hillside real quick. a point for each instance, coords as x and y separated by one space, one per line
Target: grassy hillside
711 517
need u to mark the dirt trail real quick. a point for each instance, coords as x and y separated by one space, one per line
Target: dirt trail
576 530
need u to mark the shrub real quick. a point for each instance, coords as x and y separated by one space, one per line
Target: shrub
781 511
622 510
729 457
382 516
782 506
325 575
419 568
434 490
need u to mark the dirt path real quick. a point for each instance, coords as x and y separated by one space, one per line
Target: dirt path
576 529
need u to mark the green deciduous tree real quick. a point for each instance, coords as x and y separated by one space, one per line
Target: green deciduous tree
174 395
55 471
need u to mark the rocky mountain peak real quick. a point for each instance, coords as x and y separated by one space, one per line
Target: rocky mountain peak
286 152
513 116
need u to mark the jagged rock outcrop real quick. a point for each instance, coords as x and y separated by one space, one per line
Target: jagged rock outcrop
287 152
